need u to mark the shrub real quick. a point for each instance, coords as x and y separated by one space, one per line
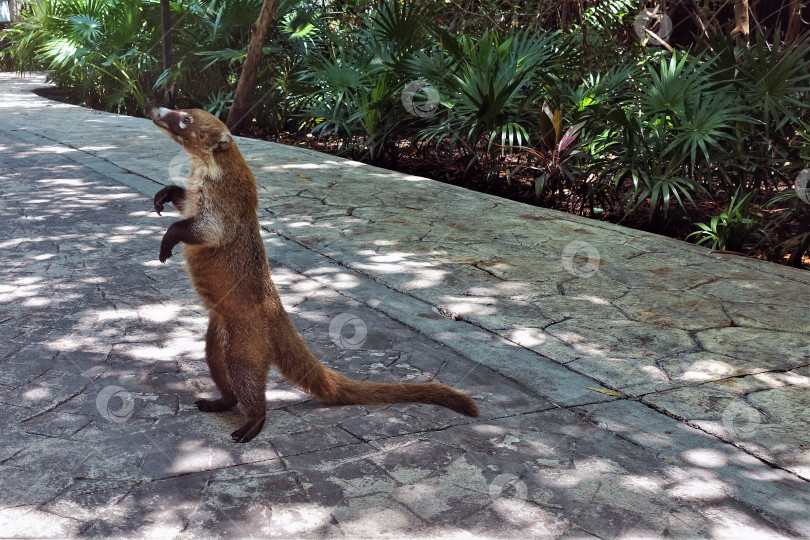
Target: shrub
659 139
101 51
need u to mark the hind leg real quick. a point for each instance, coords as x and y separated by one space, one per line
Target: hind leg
248 375
216 339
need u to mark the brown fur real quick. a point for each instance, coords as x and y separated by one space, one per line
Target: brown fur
249 331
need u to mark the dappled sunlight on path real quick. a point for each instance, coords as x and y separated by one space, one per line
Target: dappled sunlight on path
634 387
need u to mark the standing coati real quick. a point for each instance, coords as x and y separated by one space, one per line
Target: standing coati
249 331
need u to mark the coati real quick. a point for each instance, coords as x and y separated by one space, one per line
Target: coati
249 331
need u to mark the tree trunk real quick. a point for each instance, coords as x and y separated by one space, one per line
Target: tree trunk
240 110
166 28
741 19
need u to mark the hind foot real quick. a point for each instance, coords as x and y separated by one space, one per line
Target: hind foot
214 405
248 431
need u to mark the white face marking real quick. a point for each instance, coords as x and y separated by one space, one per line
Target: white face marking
162 112
186 121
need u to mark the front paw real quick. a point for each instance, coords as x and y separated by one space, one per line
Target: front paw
161 197
169 194
165 251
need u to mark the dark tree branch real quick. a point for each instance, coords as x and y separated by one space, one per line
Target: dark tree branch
794 28
240 108
166 30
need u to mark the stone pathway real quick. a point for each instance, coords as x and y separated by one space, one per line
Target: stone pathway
630 385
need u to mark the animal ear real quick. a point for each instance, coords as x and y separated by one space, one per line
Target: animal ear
224 142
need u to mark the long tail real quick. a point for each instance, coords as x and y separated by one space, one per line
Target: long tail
302 369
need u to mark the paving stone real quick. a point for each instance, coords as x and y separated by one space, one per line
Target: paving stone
776 350
696 368
88 500
741 410
225 509
31 522
331 487
685 310
618 336
786 317
658 272
705 464
759 290
23 490
376 515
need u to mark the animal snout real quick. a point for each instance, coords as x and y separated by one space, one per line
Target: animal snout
154 111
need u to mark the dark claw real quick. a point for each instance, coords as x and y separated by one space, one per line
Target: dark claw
166 246
248 431
162 196
165 253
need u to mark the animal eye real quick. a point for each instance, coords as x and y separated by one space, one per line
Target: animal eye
188 120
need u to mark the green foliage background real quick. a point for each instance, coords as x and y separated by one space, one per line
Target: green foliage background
572 106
